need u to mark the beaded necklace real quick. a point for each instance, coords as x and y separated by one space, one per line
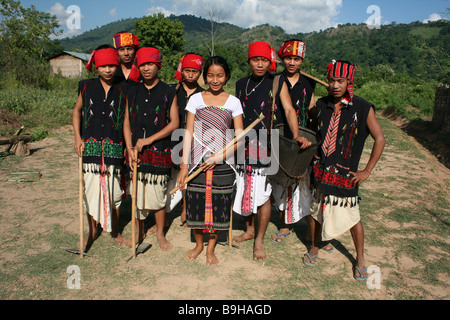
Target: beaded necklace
247 94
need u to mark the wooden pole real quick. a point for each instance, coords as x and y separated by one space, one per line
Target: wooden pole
230 232
14 139
133 206
315 79
229 145
80 203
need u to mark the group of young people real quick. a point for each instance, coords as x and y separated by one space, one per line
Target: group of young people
128 107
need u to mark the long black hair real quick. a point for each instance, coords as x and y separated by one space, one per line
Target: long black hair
217 60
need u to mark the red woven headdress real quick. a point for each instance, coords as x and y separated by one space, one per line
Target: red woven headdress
125 39
292 48
342 69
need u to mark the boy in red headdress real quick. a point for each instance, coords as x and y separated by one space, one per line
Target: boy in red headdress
97 119
188 73
127 45
151 117
294 203
345 121
255 92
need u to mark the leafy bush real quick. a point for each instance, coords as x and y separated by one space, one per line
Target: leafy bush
41 110
411 100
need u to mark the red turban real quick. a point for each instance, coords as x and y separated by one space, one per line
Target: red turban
342 69
190 60
103 57
263 49
292 48
125 39
148 54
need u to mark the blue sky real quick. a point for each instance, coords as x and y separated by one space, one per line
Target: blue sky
293 15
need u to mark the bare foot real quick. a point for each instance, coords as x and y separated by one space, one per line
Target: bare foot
193 254
152 230
258 252
244 237
164 244
211 259
121 241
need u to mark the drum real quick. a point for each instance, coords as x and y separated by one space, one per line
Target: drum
293 162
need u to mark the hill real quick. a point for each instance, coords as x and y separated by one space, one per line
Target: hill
418 49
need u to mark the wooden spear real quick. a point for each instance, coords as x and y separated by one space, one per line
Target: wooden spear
80 203
133 206
314 78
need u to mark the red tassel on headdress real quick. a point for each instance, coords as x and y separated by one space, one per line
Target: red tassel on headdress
273 59
135 75
91 61
178 74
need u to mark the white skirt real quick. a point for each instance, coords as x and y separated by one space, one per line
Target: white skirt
295 204
251 192
337 215
151 193
100 199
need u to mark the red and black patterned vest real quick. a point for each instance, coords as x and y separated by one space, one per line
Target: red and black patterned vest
343 137
149 114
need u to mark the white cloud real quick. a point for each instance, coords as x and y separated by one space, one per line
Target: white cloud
433 17
153 10
293 16
113 13
60 12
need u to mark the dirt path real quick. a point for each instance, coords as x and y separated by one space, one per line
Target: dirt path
405 212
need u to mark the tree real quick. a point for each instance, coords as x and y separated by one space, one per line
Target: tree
160 32
165 34
215 14
24 38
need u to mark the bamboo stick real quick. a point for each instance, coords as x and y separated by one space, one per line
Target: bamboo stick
80 203
133 206
315 79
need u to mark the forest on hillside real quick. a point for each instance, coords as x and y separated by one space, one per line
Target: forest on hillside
417 49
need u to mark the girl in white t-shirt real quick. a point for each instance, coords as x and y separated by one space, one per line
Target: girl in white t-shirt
210 116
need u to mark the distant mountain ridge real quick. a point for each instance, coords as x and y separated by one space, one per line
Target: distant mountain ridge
417 48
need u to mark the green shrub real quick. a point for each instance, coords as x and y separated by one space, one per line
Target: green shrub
39 133
41 110
401 96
